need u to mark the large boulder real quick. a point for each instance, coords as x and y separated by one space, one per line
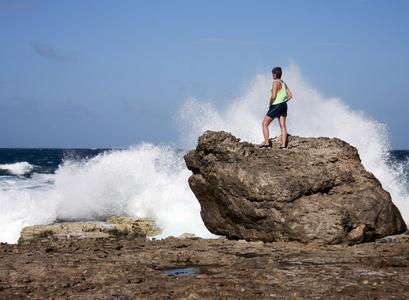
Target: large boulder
315 191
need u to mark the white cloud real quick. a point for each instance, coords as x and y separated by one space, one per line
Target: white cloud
17 5
333 44
71 108
50 52
227 42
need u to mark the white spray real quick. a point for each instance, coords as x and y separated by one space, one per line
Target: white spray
151 181
309 115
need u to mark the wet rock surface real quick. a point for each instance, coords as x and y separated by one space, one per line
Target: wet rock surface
194 268
316 190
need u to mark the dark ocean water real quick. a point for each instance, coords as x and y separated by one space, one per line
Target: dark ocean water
48 160
42 160
400 155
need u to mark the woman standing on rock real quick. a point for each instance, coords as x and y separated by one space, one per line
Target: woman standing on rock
280 94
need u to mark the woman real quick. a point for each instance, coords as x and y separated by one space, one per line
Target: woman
280 94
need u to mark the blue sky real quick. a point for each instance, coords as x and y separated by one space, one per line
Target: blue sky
112 73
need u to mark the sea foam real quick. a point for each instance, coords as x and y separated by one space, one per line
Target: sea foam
20 168
142 181
147 180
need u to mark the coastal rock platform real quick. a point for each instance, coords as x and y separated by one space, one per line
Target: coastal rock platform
194 268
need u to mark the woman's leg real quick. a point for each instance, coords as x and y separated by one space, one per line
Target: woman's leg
267 120
281 120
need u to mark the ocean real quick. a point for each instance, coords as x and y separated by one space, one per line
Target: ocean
42 186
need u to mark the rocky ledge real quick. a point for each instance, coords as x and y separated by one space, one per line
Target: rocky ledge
315 191
115 226
193 268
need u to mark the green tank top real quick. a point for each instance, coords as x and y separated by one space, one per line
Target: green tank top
281 94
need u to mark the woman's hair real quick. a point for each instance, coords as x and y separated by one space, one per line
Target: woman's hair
278 72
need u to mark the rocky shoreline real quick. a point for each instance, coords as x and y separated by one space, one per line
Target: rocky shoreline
139 268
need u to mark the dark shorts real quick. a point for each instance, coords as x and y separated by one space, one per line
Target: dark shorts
277 110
